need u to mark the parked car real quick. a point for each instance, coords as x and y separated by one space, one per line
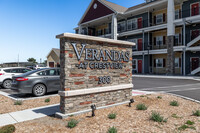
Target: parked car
37 82
7 73
39 66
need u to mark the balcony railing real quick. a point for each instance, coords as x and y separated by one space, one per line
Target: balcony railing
142 24
187 13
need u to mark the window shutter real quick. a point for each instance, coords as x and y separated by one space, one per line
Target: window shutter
154 20
163 17
164 64
164 40
179 62
155 41
180 38
180 14
154 62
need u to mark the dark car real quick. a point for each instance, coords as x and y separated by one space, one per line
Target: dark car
37 82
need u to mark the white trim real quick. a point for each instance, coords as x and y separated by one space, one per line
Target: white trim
95 90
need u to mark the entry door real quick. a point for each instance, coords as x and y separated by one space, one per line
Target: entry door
139 44
139 23
195 63
195 33
195 9
139 66
51 64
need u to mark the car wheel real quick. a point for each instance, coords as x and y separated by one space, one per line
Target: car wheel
7 84
39 90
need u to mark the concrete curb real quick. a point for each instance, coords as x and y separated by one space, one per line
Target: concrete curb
24 99
167 77
28 114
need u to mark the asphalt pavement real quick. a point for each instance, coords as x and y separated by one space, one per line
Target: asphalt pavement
183 87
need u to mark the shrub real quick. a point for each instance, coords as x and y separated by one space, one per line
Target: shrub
174 103
18 102
72 123
141 107
142 96
183 127
189 122
175 116
112 116
196 113
155 116
7 129
159 97
112 130
47 100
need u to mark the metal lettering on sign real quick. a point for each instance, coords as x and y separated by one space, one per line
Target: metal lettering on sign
100 59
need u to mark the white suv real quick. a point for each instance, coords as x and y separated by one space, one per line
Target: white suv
7 73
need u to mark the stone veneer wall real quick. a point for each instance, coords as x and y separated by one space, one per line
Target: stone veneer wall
82 102
73 78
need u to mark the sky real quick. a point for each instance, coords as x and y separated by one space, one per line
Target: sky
28 27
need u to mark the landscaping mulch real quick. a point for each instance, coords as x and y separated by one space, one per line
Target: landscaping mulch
128 120
7 104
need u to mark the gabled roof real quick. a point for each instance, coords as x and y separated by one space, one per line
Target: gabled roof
115 7
56 51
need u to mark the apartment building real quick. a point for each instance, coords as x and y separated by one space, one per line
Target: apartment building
166 33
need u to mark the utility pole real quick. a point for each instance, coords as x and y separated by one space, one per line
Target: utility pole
18 61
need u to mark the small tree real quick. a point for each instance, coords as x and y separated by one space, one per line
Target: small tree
32 60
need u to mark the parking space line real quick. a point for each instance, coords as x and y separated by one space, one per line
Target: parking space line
177 86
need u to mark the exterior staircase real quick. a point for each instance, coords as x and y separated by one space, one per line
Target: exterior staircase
196 71
194 42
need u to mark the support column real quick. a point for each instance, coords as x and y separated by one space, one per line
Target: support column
114 27
143 52
170 38
184 49
80 29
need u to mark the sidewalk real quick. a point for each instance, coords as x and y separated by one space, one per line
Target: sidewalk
29 114
167 77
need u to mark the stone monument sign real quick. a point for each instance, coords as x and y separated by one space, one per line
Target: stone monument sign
94 70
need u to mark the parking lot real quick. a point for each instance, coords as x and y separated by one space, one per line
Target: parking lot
183 87
15 95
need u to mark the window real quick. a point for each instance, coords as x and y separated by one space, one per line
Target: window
129 24
43 73
134 24
159 18
159 63
25 70
177 14
15 71
121 26
51 72
99 32
134 63
176 62
159 40
7 70
134 48
177 39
